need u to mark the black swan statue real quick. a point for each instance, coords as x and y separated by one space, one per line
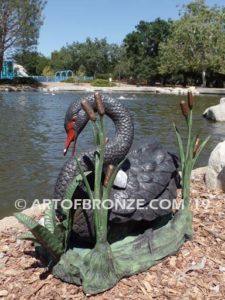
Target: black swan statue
150 172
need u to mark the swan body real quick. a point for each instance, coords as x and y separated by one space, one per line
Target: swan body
151 172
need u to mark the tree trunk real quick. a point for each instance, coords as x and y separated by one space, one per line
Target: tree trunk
203 78
185 80
1 63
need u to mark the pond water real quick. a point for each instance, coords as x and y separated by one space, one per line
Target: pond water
32 136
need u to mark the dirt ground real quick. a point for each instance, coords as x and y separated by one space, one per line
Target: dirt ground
197 271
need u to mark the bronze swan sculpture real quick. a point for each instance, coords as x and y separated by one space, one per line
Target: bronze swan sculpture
151 171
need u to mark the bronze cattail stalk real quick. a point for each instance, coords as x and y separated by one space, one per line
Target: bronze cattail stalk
89 110
190 100
108 175
99 104
184 109
196 147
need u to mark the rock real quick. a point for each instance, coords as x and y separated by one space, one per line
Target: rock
222 100
3 293
178 91
198 172
4 248
215 174
215 113
11 272
121 180
222 269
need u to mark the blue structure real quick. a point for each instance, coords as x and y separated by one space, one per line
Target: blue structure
9 73
63 75
59 76
7 70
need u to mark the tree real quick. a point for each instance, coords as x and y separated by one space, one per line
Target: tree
32 61
63 60
196 43
48 71
122 68
142 47
20 22
95 56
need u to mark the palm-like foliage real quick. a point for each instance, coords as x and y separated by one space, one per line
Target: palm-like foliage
53 236
42 235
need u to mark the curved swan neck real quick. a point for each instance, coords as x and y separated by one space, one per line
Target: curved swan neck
117 148
115 151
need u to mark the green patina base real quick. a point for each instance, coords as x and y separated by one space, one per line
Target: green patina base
101 268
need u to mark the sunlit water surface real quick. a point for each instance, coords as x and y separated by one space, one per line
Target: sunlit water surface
32 136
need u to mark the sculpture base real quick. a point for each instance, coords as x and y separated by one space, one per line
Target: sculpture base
101 268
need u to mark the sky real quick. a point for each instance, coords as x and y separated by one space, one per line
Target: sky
68 21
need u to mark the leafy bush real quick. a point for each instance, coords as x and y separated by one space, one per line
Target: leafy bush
48 71
25 81
70 80
5 81
20 80
76 80
102 82
105 76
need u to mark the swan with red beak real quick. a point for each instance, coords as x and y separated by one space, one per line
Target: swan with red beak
71 136
75 123
151 171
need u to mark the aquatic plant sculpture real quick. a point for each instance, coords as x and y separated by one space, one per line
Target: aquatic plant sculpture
96 251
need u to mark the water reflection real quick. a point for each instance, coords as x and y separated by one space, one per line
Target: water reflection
32 136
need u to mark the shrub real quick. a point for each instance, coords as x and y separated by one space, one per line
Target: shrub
48 71
102 82
70 80
5 81
21 80
103 76
25 81
76 80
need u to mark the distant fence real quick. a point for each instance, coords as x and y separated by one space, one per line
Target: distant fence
62 78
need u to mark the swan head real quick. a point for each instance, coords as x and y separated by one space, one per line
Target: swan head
75 121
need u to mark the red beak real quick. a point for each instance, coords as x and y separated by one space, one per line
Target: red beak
71 137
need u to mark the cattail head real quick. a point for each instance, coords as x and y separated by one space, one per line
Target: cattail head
184 108
108 174
190 100
196 147
99 104
89 110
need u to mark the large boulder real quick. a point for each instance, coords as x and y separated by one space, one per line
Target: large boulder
222 100
215 113
215 174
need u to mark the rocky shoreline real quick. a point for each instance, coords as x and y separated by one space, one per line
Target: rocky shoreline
86 87
18 88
